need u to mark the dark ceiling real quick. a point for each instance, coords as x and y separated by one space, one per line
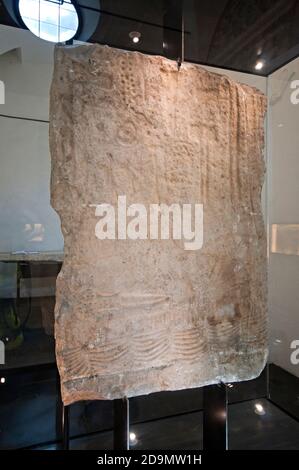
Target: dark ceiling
233 34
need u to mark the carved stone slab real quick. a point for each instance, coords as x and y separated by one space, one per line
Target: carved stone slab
141 316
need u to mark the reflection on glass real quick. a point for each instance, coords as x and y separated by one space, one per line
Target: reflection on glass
285 239
259 409
34 232
27 301
133 438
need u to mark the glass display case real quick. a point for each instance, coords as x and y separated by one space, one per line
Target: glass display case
255 43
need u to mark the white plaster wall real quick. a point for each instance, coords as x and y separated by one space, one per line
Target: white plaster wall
283 204
25 68
27 221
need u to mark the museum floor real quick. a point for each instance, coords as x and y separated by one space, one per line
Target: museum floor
274 430
262 414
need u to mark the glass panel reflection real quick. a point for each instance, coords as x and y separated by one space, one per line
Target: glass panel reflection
27 290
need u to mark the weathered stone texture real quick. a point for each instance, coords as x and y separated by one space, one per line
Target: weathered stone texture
135 317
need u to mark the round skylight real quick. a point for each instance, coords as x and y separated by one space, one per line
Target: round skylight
51 20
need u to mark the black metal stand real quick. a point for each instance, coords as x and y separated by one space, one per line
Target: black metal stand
215 417
62 418
215 404
65 427
121 424
120 430
59 410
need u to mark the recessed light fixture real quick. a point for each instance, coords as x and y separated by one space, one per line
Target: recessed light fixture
2 380
259 65
135 36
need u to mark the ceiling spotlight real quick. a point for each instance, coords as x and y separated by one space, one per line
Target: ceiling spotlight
259 65
259 409
2 380
135 36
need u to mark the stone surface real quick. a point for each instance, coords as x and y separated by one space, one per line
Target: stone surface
141 316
